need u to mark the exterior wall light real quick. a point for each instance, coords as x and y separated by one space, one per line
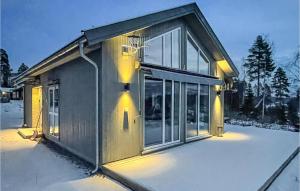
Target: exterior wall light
126 87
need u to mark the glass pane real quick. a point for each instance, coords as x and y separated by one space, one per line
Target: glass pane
51 100
191 112
51 123
167 50
192 56
168 111
56 100
204 108
153 111
56 127
175 48
203 64
176 110
153 51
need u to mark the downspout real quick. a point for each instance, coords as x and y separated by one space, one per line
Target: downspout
97 100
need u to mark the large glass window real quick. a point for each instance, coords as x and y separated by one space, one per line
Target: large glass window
192 56
176 49
153 111
163 50
196 60
153 51
191 110
167 52
204 109
162 111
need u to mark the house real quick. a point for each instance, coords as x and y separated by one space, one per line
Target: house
131 87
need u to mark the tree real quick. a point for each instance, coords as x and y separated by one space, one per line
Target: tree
248 106
259 63
5 68
280 84
22 68
293 67
281 114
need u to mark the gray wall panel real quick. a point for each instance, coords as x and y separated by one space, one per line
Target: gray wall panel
77 105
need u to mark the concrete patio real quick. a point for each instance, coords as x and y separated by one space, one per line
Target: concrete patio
243 159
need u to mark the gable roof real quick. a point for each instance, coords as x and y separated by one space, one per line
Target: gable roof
190 11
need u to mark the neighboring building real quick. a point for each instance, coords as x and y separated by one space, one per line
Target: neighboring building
159 78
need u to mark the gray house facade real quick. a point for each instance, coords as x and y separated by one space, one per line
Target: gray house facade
132 87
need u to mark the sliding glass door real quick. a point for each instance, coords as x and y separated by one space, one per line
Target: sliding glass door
191 110
153 112
162 112
197 110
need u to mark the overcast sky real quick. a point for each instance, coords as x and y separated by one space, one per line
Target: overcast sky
33 29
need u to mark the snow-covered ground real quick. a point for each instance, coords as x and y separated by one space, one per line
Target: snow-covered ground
289 179
28 165
243 159
11 115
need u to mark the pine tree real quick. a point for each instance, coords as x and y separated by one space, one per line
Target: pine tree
259 63
22 68
248 106
5 68
280 84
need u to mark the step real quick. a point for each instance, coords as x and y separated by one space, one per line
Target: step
27 133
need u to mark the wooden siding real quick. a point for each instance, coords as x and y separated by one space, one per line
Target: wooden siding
76 105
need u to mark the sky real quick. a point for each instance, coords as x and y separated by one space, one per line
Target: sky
31 30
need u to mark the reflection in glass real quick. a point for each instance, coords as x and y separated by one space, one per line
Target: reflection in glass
167 50
168 111
153 111
203 64
153 51
176 110
175 48
191 110
204 109
192 56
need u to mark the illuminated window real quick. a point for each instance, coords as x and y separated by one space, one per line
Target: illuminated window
163 50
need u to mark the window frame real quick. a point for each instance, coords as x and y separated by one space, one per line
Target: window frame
199 135
200 51
164 143
163 49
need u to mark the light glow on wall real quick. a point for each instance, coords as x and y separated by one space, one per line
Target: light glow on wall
144 166
224 65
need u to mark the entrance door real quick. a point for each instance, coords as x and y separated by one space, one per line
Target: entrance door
53 106
36 100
